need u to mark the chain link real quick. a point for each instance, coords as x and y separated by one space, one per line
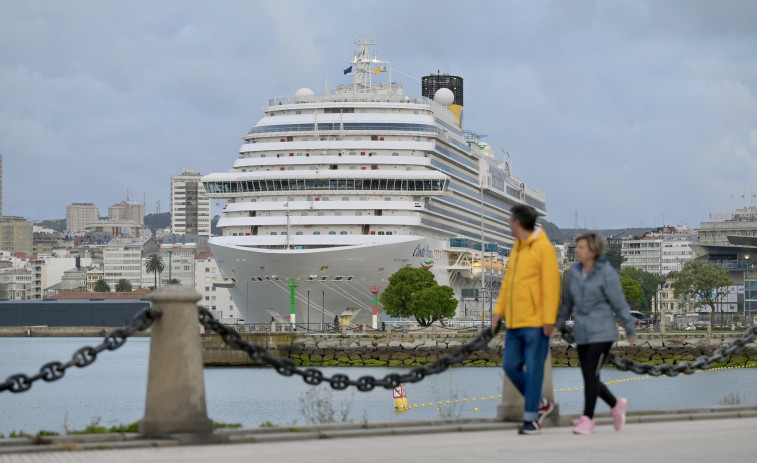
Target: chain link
83 357
314 376
703 362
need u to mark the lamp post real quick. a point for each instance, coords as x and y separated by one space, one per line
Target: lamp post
323 311
308 327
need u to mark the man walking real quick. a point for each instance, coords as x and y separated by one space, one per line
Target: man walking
528 301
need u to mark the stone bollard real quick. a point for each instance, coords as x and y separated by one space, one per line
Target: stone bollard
175 402
512 405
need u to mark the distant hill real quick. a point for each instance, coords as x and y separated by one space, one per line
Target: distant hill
158 221
556 233
58 225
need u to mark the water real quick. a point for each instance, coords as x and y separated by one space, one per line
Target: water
112 390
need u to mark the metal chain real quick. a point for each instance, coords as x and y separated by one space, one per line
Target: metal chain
703 362
314 376
83 357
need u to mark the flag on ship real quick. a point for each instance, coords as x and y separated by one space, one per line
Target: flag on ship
348 70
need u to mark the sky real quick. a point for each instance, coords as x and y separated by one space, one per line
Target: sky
624 113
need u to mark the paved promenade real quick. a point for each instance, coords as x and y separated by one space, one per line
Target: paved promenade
691 438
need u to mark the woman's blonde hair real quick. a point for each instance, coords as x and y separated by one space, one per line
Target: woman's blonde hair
595 242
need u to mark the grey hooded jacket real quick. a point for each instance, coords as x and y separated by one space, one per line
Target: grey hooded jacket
594 302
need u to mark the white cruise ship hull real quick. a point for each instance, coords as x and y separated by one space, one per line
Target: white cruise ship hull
338 278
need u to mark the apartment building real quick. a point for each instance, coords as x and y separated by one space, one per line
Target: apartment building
123 258
127 211
660 251
15 283
16 234
190 206
78 215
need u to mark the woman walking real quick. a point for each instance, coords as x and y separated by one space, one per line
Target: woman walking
592 294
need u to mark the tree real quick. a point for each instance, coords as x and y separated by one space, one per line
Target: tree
123 286
706 283
101 286
174 281
432 304
632 290
648 282
614 256
154 264
399 297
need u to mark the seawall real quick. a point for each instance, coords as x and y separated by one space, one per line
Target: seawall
61 331
414 349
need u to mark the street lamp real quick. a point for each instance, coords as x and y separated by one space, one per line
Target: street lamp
308 327
323 311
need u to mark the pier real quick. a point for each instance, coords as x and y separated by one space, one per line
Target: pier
175 426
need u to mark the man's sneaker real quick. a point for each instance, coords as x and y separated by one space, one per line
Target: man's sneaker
618 413
530 427
545 408
584 425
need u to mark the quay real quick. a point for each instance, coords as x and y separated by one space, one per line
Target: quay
175 426
693 436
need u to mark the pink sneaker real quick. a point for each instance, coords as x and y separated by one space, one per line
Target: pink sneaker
618 413
584 425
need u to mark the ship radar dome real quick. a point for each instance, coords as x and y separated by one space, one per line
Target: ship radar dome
304 92
444 96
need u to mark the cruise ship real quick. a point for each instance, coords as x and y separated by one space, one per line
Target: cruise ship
331 194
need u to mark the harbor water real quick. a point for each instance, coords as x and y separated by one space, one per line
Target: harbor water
112 391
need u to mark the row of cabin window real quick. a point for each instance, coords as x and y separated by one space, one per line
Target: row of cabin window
352 153
315 233
373 167
323 198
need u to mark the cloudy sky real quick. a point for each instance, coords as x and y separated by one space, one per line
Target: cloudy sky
624 113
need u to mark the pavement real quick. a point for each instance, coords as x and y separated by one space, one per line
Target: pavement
693 436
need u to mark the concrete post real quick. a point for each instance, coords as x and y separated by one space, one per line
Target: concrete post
175 402
513 404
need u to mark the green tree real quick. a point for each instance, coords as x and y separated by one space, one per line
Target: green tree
432 304
632 290
706 283
154 264
648 282
123 286
614 256
174 281
101 286
398 298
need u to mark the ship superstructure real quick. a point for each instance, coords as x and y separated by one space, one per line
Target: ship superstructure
331 194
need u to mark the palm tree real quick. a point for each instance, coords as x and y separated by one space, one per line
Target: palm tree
123 286
154 264
101 286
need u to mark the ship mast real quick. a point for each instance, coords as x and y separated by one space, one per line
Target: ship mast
364 67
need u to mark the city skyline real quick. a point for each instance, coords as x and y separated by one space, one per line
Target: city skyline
624 113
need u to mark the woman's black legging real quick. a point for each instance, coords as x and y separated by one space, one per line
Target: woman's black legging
591 357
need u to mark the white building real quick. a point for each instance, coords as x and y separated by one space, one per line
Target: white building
16 283
660 252
179 262
123 257
190 206
49 271
214 298
644 254
78 215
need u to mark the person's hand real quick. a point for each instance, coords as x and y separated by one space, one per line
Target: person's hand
632 340
549 330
